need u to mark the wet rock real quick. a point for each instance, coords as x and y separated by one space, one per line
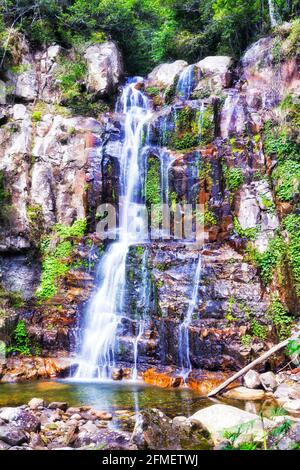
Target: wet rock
243 393
164 74
12 435
58 405
117 374
252 379
153 430
27 421
104 416
191 434
268 381
105 67
219 418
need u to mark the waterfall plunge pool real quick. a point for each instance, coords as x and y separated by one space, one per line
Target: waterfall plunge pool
113 396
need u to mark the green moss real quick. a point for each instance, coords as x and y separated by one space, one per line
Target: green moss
153 184
268 204
278 143
229 310
162 266
246 340
152 91
56 251
14 298
191 129
35 217
206 218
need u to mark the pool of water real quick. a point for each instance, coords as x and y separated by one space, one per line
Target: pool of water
108 396
112 396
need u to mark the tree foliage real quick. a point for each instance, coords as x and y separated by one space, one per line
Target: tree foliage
148 31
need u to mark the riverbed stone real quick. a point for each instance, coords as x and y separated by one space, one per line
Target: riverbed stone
268 381
292 406
244 393
12 435
36 403
252 379
58 405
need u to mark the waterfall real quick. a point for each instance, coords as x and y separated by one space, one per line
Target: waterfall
183 334
186 82
143 304
106 307
272 13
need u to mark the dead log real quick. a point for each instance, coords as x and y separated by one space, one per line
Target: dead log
252 364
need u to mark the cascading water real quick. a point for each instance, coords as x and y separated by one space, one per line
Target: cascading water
183 333
143 305
106 307
186 82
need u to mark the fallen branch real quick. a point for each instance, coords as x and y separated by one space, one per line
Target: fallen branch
252 364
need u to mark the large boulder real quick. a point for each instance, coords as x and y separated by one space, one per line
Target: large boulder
251 379
164 74
105 68
267 79
12 435
217 70
218 419
154 430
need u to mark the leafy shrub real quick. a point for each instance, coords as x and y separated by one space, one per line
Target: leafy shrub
287 178
280 318
69 74
292 225
234 178
249 233
57 250
269 260
20 341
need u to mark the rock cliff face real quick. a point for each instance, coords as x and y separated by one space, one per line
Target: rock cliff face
56 166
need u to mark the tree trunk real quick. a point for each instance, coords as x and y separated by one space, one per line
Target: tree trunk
252 364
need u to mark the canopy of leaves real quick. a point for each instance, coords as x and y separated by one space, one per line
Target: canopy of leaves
148 31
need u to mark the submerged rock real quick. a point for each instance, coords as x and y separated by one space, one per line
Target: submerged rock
243 393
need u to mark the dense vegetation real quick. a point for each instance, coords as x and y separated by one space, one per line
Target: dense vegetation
148 31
